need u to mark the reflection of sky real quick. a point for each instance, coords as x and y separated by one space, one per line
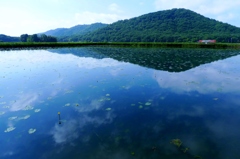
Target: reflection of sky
220 76
25 71
57 82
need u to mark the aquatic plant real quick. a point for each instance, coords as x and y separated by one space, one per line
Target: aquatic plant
176 142
30 131
10 129
37 110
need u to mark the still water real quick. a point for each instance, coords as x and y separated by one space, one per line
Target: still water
119 103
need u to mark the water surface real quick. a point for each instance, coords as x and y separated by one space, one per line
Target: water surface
119 103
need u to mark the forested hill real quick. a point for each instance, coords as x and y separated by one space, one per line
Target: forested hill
69 34
175 25
5 38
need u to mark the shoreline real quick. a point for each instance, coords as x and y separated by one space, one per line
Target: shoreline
22 45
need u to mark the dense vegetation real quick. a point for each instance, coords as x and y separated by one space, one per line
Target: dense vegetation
176 25
71 34
5 38
36 38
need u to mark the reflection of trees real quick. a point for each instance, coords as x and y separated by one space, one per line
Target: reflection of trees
171 60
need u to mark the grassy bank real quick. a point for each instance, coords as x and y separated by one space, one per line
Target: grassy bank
20 45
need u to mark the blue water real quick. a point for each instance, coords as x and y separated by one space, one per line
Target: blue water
119 103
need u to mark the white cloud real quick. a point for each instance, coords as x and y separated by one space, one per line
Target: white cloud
91 17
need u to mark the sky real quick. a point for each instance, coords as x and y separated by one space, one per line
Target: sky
36 16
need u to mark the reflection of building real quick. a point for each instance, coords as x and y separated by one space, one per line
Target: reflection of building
207 41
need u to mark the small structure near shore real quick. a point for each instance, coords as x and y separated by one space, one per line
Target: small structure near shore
207 41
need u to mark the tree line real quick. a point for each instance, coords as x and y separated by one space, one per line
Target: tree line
37 38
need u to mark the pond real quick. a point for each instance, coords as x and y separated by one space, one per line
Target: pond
112 103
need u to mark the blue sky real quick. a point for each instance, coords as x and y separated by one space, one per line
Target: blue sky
36 16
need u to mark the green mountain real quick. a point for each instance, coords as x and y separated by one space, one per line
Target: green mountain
5 38
175 25
69 34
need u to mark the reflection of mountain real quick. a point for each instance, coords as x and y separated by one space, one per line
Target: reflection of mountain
171 60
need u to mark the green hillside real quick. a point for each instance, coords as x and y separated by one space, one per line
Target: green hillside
69 34
5 38
175 25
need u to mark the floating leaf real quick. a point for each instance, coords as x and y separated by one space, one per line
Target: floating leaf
10 129
147 103
12 118
108 109
28 107
24 118
176 142
37 110
69 91
30 131
67 105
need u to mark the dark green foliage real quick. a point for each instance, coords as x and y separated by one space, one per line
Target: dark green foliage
176 25
36 38
36 45
24 37
33 38
71 34
5 38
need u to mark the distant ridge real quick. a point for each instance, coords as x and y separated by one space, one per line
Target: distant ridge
68 34
5 38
